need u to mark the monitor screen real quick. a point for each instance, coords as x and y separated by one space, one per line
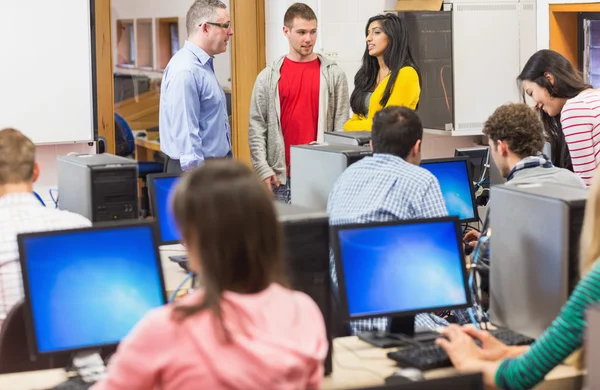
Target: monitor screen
457 189
478 158
161 190
404 267
88 287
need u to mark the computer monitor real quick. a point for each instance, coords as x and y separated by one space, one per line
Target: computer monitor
399 268
160 189
86 288
457 189
478 157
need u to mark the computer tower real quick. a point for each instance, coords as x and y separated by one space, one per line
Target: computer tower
535 231
101 187
358 138
315 168
306 243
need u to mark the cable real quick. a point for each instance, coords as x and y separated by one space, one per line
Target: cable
52 196
172 297
39 198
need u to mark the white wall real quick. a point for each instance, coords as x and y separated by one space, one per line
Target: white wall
140 9
543 20
46 157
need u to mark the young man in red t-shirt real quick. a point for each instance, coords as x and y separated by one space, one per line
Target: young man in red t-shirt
294 101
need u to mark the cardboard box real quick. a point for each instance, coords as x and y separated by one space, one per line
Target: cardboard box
419 5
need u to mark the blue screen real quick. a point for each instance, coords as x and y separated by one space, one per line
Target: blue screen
90 288
400 268
164 188
456 186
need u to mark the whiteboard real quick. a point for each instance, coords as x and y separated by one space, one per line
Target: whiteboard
46 82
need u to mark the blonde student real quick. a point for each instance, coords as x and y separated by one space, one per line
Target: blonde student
244 329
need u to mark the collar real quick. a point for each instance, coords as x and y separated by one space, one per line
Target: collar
539 160
202 56
19 199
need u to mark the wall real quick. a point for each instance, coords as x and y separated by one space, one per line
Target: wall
341 37
139 9
543 18
46 157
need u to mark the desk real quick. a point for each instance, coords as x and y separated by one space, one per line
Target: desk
172 272
145 148
355 364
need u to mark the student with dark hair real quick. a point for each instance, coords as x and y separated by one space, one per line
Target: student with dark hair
388 76
295 101
570 110
243 329
388 186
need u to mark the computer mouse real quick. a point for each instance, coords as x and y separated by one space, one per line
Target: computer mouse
141 135
404 375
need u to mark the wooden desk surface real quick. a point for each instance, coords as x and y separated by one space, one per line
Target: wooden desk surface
143 142
355 364
172 272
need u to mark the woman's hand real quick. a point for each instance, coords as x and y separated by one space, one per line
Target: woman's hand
464 354
491 348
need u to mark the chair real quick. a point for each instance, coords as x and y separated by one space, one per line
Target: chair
125 147
14 352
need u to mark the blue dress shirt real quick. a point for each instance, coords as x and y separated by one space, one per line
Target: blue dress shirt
193 121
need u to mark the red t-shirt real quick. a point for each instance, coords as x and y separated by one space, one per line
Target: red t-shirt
299 99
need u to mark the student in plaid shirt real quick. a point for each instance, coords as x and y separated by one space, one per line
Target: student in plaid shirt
22 212
388 186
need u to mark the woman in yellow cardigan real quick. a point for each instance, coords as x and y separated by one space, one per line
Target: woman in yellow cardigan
388 75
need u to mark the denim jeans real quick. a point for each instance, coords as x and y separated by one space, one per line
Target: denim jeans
283 192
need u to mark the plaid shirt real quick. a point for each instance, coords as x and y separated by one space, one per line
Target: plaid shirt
385 188
23 213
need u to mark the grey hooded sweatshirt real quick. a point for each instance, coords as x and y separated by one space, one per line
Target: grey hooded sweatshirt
265 138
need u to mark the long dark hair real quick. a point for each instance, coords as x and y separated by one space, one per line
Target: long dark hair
227 214
397 55
568 83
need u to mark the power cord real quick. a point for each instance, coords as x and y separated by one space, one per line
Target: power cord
55 200
188 277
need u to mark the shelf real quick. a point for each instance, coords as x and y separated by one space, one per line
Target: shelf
125 43
144 47
469 133
167 40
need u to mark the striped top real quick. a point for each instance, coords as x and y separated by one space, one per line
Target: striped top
580 120
562 338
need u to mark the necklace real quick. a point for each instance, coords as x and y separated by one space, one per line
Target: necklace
380 79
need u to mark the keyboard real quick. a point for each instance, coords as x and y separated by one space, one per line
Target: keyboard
428 356
75 383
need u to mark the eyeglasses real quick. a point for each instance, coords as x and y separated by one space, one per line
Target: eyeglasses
224 25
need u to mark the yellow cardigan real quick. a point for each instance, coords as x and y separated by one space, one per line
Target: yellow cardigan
405 93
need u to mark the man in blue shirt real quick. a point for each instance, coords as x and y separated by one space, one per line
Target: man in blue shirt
193 120
388 186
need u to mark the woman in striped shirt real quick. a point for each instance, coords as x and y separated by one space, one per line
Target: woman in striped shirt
570 110
523 367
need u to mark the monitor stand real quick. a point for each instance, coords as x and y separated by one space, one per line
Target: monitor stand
401 333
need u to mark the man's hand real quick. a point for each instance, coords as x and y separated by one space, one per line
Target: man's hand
271 182
471 238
